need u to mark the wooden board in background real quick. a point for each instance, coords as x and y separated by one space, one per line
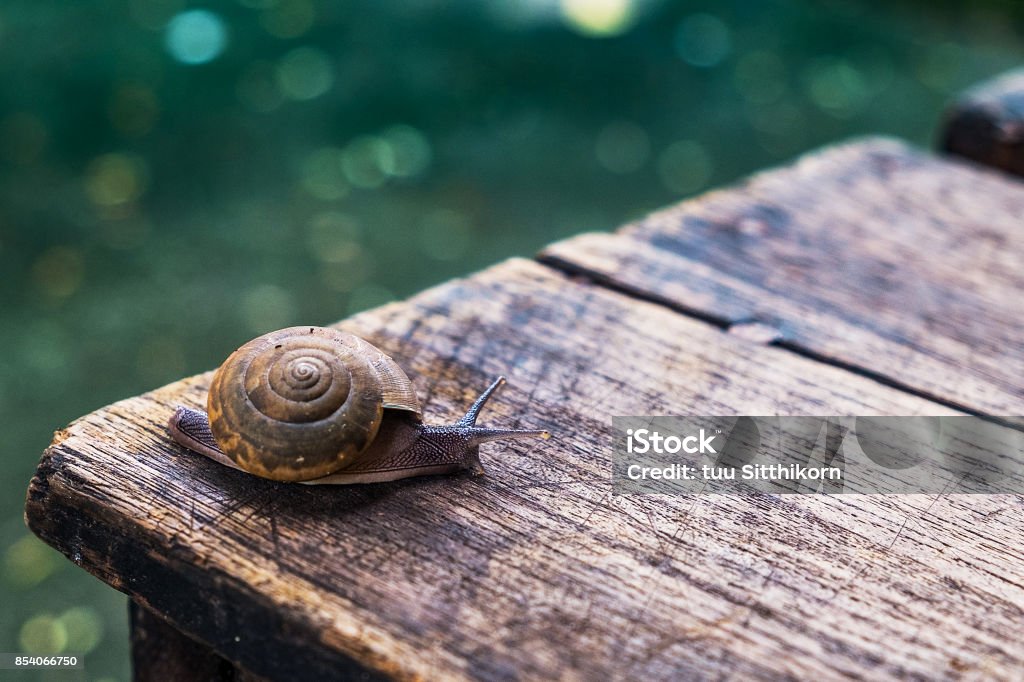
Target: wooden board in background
986 123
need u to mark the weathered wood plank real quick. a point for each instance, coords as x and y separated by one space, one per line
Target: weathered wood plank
986 124
537 571
871 256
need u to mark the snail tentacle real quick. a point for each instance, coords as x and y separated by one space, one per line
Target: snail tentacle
476 435
474 410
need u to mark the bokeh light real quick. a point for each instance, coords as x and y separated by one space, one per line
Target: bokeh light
83 629
197 36
409 154
58 272
365 161
43 634
598 18
77 630
304 73
836 86
685 167
703 40
116 178
322 174
27 562
333 237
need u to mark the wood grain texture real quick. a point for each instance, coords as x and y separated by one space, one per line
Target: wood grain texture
986 124
536 571
870 256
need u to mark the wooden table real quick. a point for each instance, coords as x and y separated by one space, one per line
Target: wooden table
866 278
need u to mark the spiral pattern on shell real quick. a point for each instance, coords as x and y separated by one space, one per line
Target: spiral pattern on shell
302 402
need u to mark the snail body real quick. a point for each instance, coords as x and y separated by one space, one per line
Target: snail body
319 406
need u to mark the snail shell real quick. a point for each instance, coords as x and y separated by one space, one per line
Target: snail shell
303 402
317 405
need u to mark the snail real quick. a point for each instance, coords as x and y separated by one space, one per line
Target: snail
320 406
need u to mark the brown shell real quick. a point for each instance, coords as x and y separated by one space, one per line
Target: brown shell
304 402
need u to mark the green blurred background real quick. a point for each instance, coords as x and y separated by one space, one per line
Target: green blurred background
177 177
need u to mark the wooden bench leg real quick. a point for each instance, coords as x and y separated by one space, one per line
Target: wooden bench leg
160 652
